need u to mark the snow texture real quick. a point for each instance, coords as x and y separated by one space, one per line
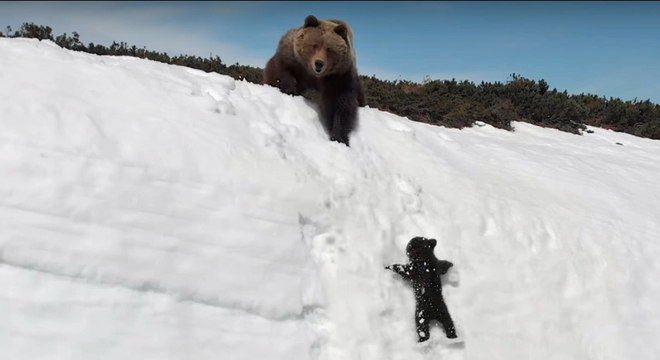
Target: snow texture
151 211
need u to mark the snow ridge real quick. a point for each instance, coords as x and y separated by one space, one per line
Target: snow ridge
157 212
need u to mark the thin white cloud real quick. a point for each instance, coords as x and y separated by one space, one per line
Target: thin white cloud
147 26
474 76
624 88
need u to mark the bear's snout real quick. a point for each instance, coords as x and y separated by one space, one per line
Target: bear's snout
319 65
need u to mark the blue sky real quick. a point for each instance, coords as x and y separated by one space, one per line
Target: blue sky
610 49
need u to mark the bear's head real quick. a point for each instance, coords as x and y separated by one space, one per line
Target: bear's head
420 248
324 47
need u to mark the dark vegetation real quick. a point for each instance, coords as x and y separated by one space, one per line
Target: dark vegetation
440 102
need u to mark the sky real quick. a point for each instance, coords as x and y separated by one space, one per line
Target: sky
609 49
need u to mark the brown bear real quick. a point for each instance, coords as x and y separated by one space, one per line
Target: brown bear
423 272
320 56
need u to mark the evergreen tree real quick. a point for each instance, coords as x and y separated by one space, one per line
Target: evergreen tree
30 30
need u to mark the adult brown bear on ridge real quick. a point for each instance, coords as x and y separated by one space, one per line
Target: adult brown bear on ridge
320 56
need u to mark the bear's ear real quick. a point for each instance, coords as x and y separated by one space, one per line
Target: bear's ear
342 31
311 21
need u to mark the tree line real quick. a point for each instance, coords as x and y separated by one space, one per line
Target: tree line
448 103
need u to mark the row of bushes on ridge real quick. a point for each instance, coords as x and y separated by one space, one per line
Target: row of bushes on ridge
441 102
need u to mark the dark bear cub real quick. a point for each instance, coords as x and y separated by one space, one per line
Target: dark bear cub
423 272
320 56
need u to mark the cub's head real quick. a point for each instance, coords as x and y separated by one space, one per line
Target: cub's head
325 47
420 248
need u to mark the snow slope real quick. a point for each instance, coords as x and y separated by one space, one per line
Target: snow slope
150 211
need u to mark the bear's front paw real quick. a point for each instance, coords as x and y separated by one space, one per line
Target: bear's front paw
340 139
452 277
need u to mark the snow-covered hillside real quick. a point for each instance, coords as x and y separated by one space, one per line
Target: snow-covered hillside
150 211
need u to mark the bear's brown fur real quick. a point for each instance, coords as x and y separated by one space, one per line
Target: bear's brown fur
320 56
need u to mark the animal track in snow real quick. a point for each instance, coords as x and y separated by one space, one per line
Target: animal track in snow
341 190
219 95
399 125
410 195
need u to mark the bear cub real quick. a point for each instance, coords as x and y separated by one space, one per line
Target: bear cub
423 272
320 56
